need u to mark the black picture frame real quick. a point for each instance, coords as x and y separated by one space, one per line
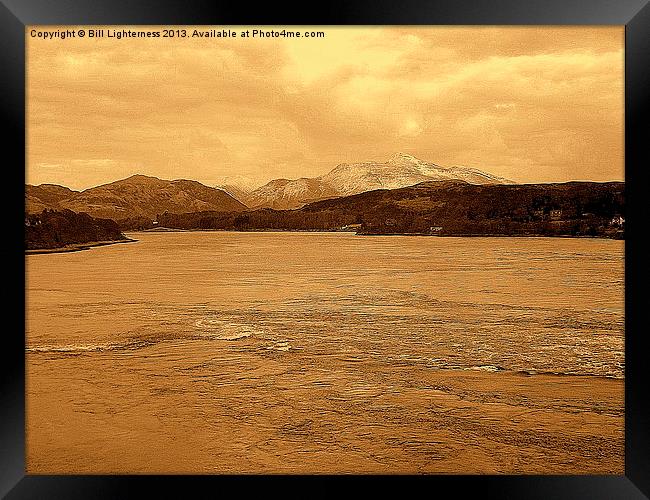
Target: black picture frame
16 14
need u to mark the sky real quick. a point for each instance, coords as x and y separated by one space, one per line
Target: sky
531 104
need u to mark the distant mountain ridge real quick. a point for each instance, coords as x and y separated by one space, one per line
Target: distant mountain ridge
135 196
283 194
141 197
400 170
238 186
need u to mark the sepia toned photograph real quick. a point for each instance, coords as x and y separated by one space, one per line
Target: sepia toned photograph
325 250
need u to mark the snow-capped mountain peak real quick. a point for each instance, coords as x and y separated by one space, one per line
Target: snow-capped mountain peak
399 170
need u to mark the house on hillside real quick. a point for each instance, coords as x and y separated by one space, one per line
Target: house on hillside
29 222
618 220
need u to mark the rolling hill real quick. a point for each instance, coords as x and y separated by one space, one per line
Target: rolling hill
138 196
57 229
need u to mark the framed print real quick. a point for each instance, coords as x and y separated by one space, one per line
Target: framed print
381 243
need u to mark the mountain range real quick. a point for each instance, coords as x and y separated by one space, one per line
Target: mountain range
403 195
144 197
400 170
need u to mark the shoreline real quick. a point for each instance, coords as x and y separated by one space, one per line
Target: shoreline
274 230
495 235
77 247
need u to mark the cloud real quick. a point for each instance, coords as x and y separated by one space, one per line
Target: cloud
529 103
